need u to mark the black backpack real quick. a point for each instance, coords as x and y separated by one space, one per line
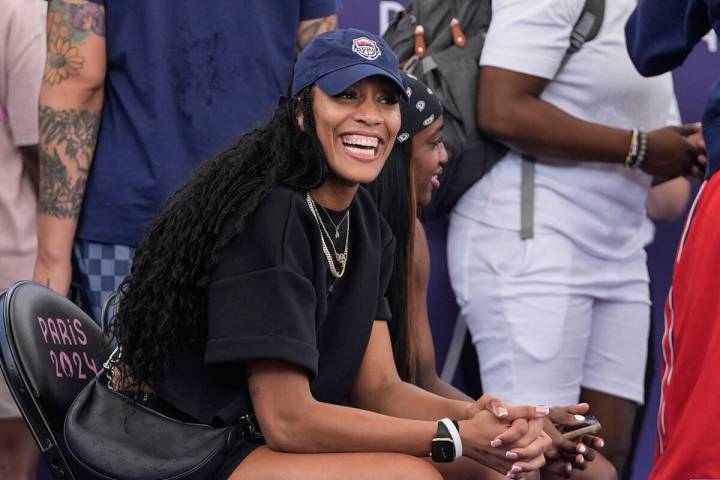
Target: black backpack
440 42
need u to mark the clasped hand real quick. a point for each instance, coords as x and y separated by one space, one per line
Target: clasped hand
518 440
675 151
507 438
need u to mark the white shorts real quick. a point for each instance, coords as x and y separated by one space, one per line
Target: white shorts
8 408
547 318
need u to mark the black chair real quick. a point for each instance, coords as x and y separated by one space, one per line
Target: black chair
49 350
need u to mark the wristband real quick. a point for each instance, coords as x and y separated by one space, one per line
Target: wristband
634 148
642 149
638 149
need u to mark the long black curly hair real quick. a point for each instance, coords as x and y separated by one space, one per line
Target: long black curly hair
162 304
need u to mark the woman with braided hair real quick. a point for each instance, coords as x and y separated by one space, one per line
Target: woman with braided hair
260 291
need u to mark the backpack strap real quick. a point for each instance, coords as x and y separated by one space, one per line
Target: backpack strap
585 29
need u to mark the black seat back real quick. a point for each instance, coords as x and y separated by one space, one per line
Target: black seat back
49 350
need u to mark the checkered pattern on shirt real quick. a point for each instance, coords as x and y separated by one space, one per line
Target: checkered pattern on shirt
101 268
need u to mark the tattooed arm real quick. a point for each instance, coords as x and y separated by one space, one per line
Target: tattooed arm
71 99
309 29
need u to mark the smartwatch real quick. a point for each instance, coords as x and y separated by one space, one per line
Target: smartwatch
442 447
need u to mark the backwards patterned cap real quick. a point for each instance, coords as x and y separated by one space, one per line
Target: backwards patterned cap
422 109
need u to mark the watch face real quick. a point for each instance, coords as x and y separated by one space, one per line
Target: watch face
442 450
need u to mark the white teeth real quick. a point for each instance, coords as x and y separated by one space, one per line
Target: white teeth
361 152
361 140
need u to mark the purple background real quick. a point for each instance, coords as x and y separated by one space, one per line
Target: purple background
692 83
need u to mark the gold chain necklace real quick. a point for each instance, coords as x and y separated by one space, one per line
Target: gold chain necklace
340 257
339 224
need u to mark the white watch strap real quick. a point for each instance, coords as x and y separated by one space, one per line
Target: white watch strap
455 434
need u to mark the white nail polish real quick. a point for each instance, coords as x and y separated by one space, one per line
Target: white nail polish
580 418
542 409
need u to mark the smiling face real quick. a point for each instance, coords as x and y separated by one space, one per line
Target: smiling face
357 129
428 155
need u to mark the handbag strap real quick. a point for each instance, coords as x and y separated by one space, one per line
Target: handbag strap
109 366
247 424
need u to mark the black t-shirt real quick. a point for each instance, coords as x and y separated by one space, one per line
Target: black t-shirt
269 299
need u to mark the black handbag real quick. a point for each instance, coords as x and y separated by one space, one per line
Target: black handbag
114 437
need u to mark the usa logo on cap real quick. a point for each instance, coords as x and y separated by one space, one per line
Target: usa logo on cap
366 48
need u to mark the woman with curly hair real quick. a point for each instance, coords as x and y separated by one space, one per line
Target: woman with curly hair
405 185
259 291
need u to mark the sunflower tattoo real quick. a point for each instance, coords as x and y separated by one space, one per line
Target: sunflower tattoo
63 61
69 25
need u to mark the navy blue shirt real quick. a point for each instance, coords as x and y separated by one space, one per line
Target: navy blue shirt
660 34
184 78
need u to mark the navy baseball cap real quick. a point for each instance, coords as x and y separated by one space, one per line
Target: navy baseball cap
339 59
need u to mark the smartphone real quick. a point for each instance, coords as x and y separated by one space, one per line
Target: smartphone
588 427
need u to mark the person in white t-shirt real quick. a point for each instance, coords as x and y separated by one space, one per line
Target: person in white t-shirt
564 316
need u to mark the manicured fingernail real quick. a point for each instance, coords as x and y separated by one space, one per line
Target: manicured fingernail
579 458
580 418
600 443
501 412
516 468
496 443
568 467
542 410
512 455
581 448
